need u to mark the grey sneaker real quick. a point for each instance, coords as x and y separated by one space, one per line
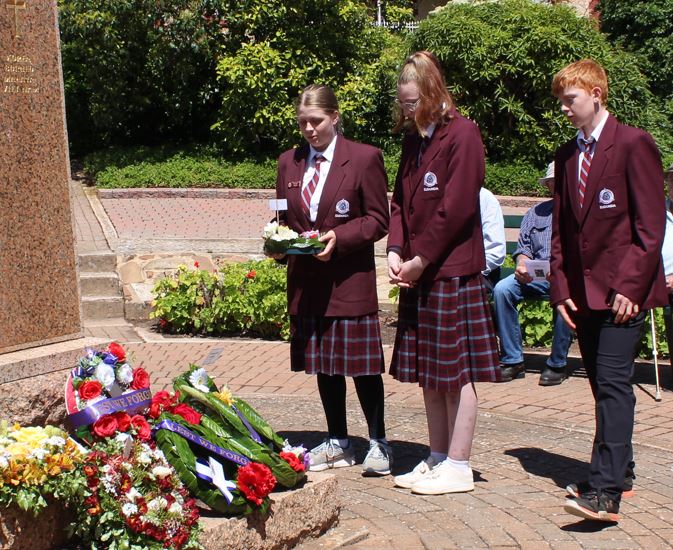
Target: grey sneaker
422 469
330 455
378 461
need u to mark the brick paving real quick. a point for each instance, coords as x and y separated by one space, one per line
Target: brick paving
531 441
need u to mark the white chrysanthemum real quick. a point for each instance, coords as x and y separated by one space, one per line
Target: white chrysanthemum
105 374
125 374
55 441
175 508
129 509
286 233
38 453
144 458
270 228
132 494
157 504
161 471
199 379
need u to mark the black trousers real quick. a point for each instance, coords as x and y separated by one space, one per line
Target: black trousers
370 393
608 351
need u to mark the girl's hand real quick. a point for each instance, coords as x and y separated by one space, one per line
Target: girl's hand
394 266
330 239
412 270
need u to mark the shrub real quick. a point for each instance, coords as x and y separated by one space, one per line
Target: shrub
644 27
172 167
499 59
278 47
247 298
519 178
139 71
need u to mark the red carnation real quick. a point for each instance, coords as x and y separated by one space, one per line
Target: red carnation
123 421
105 426
255 481
292 460
142 427
90 389
186 412
141 379
115 349
196 265
251 274
160 401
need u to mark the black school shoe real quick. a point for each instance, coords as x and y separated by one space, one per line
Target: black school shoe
582 487
510 372
593 506
552 377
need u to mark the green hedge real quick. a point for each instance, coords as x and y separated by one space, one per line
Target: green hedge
127 167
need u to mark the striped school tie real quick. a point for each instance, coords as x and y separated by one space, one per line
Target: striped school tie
308 191
586 165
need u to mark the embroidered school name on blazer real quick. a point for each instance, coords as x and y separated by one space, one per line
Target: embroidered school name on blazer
612 244
354 204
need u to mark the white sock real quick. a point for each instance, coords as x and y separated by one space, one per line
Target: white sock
462 465
438 457
343 443
379 440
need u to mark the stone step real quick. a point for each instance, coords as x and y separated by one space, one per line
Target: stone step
108 322
104 283
97 262
102 307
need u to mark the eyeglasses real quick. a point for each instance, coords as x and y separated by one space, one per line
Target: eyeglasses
409 105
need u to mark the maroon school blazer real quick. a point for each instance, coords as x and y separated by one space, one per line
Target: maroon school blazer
613 243
345 286
435 207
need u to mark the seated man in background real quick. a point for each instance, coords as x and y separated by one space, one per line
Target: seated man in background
534 244
493 229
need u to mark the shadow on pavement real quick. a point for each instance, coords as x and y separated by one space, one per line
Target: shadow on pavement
562 470
587 526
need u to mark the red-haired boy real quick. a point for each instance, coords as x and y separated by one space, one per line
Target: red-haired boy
606 270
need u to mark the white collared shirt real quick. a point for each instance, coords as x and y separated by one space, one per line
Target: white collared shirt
493 229
596 134
325 165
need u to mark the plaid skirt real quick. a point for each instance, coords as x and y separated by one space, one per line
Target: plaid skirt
445 337
349 346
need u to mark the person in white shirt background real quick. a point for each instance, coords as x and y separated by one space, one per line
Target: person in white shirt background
667 249
493 229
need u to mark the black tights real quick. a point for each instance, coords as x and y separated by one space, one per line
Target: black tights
370 393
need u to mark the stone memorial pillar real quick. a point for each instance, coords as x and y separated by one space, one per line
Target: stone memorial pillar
39 296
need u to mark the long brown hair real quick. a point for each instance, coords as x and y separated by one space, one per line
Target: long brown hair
320 96
435 103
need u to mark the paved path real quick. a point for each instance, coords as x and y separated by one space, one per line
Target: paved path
531 441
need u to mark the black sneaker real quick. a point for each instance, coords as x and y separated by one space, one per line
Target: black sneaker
510 372
580 488
593 506
552 377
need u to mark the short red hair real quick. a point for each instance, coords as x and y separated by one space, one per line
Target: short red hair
585 74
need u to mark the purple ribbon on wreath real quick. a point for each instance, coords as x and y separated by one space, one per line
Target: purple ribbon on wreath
247 424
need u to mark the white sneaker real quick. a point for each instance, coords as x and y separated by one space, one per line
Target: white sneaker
330 455
422 469
444 478
378 461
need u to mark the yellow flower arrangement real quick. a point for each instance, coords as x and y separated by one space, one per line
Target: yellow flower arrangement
31 461
225 395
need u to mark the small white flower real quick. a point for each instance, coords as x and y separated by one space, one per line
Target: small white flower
125 374
129 509
199 379
132 494
161 471
298 451
55 441
144 458
105 374
175 508
270 228
157 504
38 453
286 233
